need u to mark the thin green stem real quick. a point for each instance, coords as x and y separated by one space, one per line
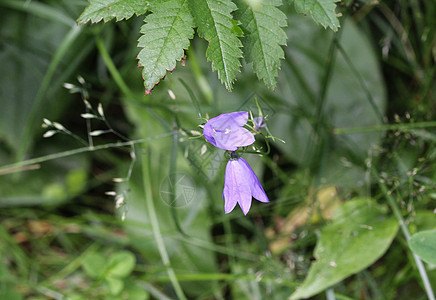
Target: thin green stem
173 174
201 79
193 98
393 204
11 168
408 126
112 69
156 228
330 294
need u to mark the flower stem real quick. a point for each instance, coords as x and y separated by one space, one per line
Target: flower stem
408 126
19 166
112 69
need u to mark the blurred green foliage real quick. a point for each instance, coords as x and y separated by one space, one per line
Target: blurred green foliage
99 217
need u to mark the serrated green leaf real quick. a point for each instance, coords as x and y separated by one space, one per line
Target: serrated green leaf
360 234
164 38
322 11
106 10
424 245
262 23
215 24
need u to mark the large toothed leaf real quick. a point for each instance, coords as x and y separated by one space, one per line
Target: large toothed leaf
262 24
322 11
215 24
106 10
164 37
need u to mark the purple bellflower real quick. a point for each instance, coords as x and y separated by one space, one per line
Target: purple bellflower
226 131
240 185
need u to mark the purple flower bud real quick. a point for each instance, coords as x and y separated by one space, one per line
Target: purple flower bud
240 185
226 131
259 122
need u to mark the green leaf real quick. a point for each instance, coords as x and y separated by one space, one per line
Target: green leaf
106 10
115 284
215 24
424 245
164 38
262 23
322 11
121 264
359 235
94 265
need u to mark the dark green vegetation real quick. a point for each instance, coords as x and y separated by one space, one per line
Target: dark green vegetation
354 180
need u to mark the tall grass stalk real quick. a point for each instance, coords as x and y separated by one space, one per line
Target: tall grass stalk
156 228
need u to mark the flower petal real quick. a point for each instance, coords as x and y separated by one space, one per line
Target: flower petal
226 120
229 200
245 204
236 187
233 138
226 132
256 188
208 133
257 191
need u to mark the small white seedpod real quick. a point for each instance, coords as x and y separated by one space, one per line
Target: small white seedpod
69 86
49 133
87 104
97 132
80 79
88 116
118 180
172 96
58 126
203 149
47 122
100 110
119 201
195 132
111 193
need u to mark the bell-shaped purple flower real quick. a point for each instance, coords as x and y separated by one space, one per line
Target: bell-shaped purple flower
240 185
226 131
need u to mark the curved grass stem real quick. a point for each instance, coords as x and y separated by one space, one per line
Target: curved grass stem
156 228
20 166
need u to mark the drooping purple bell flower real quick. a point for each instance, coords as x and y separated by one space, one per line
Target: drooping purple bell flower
240 185
226 131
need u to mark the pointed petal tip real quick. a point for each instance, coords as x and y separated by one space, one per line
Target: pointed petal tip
229 206
245 206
